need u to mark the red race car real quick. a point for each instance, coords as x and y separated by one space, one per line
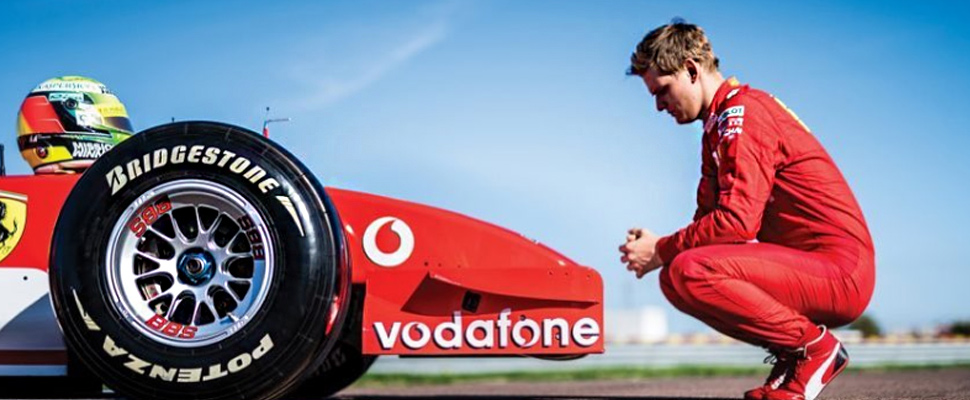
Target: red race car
201 260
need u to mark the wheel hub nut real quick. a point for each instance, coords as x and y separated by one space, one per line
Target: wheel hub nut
196 267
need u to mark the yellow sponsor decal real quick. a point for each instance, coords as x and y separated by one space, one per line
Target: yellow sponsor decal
112 110
13 220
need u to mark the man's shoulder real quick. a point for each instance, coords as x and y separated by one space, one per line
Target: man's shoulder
745 96
745 102
744 109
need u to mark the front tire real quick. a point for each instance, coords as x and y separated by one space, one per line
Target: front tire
345 363
198 260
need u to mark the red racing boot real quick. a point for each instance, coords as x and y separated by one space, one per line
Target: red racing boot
820 361
783 363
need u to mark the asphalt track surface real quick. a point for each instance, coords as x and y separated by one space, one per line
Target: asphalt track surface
854 385
939 384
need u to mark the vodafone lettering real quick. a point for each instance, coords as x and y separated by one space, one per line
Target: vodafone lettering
488 334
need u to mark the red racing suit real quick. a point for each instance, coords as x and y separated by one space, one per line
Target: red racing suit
778 243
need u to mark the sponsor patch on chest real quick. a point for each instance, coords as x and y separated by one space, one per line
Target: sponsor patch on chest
730 123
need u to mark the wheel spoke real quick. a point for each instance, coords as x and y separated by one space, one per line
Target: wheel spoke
167 238
231 292
186 224
224 255
232 241
221 281
155 274
195 312
212 228
207 237
198 221
182 240
151 257
228 247
164 268
177 300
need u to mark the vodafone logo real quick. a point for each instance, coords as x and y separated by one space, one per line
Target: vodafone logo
503 332
396 257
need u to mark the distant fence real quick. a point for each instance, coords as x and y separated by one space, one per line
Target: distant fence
663 355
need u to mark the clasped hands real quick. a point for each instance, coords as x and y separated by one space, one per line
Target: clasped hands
640 252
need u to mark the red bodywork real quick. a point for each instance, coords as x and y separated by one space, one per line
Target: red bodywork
45 196
465 287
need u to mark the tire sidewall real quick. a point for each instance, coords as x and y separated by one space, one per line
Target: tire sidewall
289 331
345 363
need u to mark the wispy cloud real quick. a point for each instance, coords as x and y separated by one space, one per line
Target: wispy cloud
326 86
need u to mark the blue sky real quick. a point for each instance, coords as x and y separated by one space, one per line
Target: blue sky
519 113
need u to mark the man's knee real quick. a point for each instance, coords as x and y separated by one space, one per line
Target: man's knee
691 266
675 297
669 291
678 279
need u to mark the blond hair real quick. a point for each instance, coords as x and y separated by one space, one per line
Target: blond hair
667 47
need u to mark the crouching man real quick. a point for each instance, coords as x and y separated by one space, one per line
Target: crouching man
778 252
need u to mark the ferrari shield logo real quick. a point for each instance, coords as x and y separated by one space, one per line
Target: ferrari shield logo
13 219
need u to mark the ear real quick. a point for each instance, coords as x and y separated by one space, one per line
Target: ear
692 70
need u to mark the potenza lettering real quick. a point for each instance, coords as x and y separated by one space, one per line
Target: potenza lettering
120 175
187 375
487 334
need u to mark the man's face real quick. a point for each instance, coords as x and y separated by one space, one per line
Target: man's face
676 94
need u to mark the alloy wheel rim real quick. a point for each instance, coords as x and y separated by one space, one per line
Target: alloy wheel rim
189 263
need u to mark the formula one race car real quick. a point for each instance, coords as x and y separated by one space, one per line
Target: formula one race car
200 260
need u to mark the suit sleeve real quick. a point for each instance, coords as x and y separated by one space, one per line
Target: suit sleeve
747 155
707 188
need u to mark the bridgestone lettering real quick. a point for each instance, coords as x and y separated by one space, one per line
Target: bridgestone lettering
187 375
121 174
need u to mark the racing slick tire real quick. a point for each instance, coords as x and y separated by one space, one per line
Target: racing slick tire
198 260
345 363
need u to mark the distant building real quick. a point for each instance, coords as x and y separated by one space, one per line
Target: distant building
848 335
642 325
